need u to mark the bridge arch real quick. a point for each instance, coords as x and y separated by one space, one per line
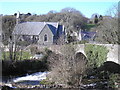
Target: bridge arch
110 66
81 56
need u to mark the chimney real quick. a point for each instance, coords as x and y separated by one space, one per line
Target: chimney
44 23
17 17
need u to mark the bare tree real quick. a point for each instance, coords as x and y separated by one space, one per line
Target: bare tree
8 24
61 40
113 11
107 30
69 17
68 67
9 39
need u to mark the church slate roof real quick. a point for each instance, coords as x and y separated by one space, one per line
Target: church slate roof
34 28
52 28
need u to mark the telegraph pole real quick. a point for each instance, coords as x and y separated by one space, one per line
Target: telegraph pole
14 36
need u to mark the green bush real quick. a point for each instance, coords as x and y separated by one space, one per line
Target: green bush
113 79
96 55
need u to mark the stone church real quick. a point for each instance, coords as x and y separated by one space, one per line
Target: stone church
41 33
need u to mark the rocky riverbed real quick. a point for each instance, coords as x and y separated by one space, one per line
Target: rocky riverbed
24 86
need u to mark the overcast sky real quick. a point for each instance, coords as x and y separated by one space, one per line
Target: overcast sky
42 7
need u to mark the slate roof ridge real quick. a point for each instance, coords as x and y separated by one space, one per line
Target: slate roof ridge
40 22
34 28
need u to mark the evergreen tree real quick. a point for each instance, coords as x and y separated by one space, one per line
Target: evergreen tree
96 19
100 17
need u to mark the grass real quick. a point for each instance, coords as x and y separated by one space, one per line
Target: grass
46 82
89 26
19 55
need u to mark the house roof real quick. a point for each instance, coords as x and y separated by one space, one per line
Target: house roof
34 28
88 35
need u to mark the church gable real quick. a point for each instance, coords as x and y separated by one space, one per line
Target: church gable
46 36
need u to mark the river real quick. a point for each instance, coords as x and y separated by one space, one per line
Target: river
29 79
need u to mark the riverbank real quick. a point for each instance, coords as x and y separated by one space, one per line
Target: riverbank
23 67
14 86
23 86
38 81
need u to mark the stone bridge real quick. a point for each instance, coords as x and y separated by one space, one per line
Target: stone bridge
113 54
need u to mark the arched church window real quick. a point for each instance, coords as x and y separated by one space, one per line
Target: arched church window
45 37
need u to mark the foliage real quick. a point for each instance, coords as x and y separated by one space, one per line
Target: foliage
103 76
33 50
89 26
96 19
100 17
46 82
114 80
96 55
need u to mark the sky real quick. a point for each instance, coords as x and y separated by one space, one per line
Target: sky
87 8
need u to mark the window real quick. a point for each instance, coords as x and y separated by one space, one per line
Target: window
45 37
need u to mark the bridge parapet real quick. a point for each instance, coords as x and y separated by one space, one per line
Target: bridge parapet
113 54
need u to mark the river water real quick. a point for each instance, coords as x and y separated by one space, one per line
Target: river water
29 79
34 79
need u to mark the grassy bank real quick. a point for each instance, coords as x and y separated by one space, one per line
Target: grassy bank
19 55
89 26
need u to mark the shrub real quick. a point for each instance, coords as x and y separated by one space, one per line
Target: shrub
96 55
46 82
33 49
114 80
